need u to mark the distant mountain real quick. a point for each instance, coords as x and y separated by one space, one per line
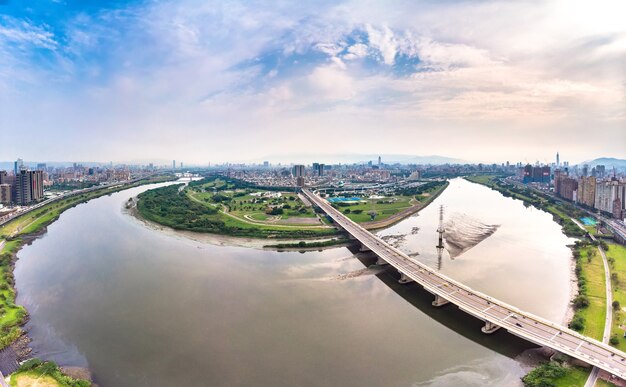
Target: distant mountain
608 162
361 158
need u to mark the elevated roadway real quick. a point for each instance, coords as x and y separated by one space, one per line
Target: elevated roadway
495 313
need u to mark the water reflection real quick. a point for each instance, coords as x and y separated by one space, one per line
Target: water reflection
147 308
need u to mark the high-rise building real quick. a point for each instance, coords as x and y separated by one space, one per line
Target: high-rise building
557 160
17 166
4 177
5 193
536 174
41 166
379 161
28 187
587 191
266 164
611 197
298 170
318 169
173 164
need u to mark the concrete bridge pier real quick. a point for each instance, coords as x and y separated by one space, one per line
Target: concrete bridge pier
381 261
489 327
439 301
404 279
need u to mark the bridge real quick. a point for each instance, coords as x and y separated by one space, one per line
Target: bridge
495 313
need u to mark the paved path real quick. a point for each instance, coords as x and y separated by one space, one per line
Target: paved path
496 314
608 321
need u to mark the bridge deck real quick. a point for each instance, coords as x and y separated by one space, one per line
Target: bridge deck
523 324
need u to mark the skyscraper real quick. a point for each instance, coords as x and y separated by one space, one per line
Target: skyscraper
379 161
557 159
173 164
28 187
298 170
19 164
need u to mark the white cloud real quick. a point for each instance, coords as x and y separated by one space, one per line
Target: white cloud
207 69
333 83
356 51
383 39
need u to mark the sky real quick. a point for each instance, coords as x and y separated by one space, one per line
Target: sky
203 81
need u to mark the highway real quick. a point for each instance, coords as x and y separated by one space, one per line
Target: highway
16 214
496 314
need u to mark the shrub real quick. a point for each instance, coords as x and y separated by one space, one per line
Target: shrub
577 323
616 305
544 375
614 340
581 301
29 365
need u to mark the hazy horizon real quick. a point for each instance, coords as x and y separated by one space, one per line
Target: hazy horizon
211 82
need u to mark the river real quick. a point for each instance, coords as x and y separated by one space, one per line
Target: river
145 307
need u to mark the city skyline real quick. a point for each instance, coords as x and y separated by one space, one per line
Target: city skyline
210 82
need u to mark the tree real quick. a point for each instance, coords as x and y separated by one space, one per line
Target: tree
577 323
616 305
581 301
614 340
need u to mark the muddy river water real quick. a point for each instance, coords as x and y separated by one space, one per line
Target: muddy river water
145 307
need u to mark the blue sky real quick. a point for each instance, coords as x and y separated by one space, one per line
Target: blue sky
205 81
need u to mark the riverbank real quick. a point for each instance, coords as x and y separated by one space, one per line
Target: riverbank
588 305
228 208
222 240
317 240
393 219
19 232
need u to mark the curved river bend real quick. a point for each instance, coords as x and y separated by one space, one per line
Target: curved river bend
143 307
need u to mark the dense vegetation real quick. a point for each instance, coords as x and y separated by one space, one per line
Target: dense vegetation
544 375
553 374
304 244
173 207
168 206
72 185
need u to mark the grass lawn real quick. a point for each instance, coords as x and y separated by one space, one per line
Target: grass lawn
34 372
595 313
575 377
29 379
383 207
618 254
254 206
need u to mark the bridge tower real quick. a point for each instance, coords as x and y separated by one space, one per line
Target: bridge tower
440 230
